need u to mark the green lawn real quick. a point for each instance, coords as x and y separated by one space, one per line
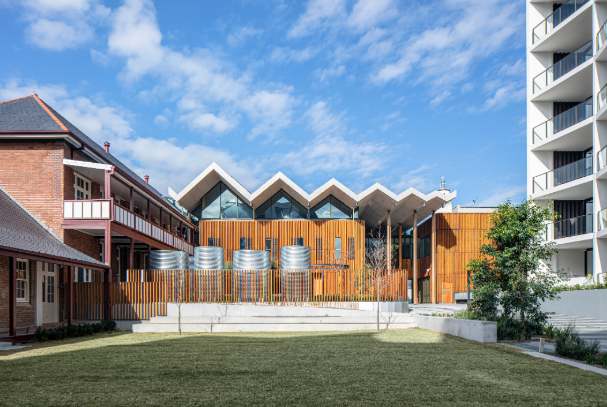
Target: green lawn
396 368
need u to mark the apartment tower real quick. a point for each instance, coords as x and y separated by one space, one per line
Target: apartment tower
567 127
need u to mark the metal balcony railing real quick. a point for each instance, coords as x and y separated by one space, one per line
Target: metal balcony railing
562 121
601 36
569 227
602 219
562 175
602 158
562 67
556 18
601 98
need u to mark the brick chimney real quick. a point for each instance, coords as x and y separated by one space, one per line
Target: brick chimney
147 179
107 147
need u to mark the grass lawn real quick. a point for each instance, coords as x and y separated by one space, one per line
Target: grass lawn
409 368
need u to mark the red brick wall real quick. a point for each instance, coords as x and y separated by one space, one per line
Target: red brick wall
32 173
25 310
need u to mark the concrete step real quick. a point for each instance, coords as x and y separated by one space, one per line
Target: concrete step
243 327
396 318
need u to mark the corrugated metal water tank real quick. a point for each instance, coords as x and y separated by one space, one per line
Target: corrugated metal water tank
209 258
249 272
169 260
295 263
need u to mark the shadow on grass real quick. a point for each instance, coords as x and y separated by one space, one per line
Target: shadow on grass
412 367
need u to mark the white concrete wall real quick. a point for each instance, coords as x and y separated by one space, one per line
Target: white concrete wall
583 304
479 331
572 261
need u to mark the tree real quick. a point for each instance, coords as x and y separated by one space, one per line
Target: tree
513 271
377 261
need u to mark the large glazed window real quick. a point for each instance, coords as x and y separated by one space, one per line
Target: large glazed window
331 208
221 203
281 206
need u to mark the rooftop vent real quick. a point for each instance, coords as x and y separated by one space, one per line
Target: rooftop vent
147 179
107 147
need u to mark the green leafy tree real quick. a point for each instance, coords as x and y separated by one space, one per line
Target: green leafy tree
513 270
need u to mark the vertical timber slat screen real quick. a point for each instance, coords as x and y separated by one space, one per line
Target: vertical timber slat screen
146 299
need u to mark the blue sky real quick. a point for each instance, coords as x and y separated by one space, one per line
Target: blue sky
364 91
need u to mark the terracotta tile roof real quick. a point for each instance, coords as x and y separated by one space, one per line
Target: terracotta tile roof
19 230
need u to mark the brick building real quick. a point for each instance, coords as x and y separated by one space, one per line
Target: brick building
84 198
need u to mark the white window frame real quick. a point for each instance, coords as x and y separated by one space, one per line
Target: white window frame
23 265
85 189
46 293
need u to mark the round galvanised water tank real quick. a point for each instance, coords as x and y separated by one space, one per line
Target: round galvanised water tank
209 258
295 263
169 260
249 274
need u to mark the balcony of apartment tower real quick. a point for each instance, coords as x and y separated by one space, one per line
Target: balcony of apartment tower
574 227
570 178
559 25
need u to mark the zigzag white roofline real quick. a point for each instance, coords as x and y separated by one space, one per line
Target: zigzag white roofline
357 198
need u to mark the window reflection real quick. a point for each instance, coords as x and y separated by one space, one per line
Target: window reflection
331 208
281 206
221 203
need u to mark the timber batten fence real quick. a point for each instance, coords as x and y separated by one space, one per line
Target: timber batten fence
147 292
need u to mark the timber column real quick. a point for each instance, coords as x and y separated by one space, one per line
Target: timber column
415 299
433 280
400 246
12 296
389 243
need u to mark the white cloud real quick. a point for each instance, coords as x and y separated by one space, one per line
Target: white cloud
515 194
56 25
504 95
283 54
317 12
517 69
161 120
440 98
197 79
332 72
330 152
444 53
240 36
167 163
368 13
419 179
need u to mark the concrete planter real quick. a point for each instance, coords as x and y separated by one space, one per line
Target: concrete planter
479 331
583 303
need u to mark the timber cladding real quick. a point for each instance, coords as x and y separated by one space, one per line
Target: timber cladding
319 235
459 237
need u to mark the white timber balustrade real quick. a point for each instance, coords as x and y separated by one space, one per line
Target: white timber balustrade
87 209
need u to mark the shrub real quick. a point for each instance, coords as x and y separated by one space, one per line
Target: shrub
550 331
41 334
569 344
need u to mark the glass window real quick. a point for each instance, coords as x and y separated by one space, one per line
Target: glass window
211 203
338 248
22 281
331 208
245 243
281 206
229 204
221 203
298 241
268 245
82 187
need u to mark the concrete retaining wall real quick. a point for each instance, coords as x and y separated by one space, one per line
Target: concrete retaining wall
583 303
479 331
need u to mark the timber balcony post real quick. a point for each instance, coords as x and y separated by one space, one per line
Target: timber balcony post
415 293
12 295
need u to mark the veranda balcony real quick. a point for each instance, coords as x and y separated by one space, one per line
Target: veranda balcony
95 214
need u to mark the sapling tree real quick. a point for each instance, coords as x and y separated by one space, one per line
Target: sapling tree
513 270
378 261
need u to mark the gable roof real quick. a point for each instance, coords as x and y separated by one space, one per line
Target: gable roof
374 203
19 230
32 114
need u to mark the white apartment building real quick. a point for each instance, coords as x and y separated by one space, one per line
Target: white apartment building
567 127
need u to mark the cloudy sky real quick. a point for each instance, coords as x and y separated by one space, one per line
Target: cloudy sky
397 92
